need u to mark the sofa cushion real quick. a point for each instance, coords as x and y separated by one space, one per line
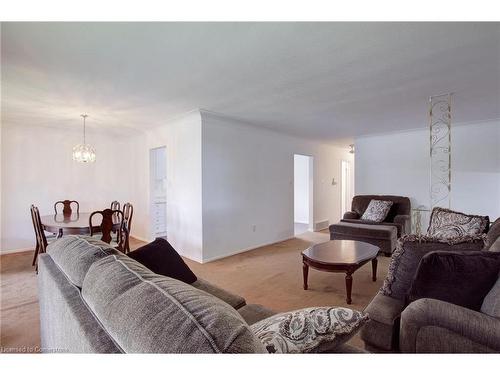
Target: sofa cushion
368 230
491 303
231 299
75 254
399 226
161 258
255 313
493 235
448 224
409 251
376 211
463 279
149 313
384 309
309 330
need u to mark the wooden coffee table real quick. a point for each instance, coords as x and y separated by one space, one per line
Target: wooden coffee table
340 256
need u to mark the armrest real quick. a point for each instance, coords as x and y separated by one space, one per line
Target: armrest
351 215
473 325
462 278
405 222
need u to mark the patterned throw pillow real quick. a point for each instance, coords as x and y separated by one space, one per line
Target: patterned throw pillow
309 330
448 224
377 211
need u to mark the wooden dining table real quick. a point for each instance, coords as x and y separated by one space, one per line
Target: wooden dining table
76 223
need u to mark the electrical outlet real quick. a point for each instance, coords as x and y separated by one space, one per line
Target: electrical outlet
254 228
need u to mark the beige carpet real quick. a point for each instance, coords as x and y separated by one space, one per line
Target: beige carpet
270 276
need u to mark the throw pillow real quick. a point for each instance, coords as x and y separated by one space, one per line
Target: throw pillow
376 211
161 258
491 303
493 235
448 224
309 330
409 251
463 279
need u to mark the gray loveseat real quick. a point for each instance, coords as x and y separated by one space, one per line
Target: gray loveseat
94 299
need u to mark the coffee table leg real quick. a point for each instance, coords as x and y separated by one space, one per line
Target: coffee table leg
374 269
305 271
348 287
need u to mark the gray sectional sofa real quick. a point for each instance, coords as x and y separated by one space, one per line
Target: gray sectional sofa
94 299
428 325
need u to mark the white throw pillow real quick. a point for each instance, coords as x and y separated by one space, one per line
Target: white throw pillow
377 210
309 330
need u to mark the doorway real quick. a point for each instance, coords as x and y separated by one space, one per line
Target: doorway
347 190
302 193
158 191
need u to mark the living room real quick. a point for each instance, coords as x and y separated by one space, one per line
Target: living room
160 164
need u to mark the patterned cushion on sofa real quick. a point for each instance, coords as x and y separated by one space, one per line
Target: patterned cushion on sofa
448 224
309 330
377 210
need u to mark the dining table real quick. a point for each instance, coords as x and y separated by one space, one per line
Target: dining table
75 223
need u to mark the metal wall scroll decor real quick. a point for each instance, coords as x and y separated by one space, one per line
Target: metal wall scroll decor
440 150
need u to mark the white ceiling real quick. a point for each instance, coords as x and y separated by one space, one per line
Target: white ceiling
325 81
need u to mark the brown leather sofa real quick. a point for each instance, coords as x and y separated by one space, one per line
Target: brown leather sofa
384 234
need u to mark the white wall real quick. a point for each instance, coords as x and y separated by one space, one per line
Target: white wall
398 164
301 189
248 180
182 138
37 168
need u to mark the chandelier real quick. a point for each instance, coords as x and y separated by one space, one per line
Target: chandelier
84 153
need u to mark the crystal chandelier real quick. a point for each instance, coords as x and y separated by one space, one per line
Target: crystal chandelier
84 153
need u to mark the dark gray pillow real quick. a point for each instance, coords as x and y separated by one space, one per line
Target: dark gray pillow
75 254
463 279
409 251
448 224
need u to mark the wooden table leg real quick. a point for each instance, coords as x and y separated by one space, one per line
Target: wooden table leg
348 287
374 269
305 272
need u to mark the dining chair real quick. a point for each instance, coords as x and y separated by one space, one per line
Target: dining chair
115 205
41 240
128 212
110 218
67 207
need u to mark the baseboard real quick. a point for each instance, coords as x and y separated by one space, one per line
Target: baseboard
244 250
141 239
13 251
320 225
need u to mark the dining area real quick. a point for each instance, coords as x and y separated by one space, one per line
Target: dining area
110 224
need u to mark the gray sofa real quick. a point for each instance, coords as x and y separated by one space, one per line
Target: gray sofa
94 299
384 234
392 323
433 326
